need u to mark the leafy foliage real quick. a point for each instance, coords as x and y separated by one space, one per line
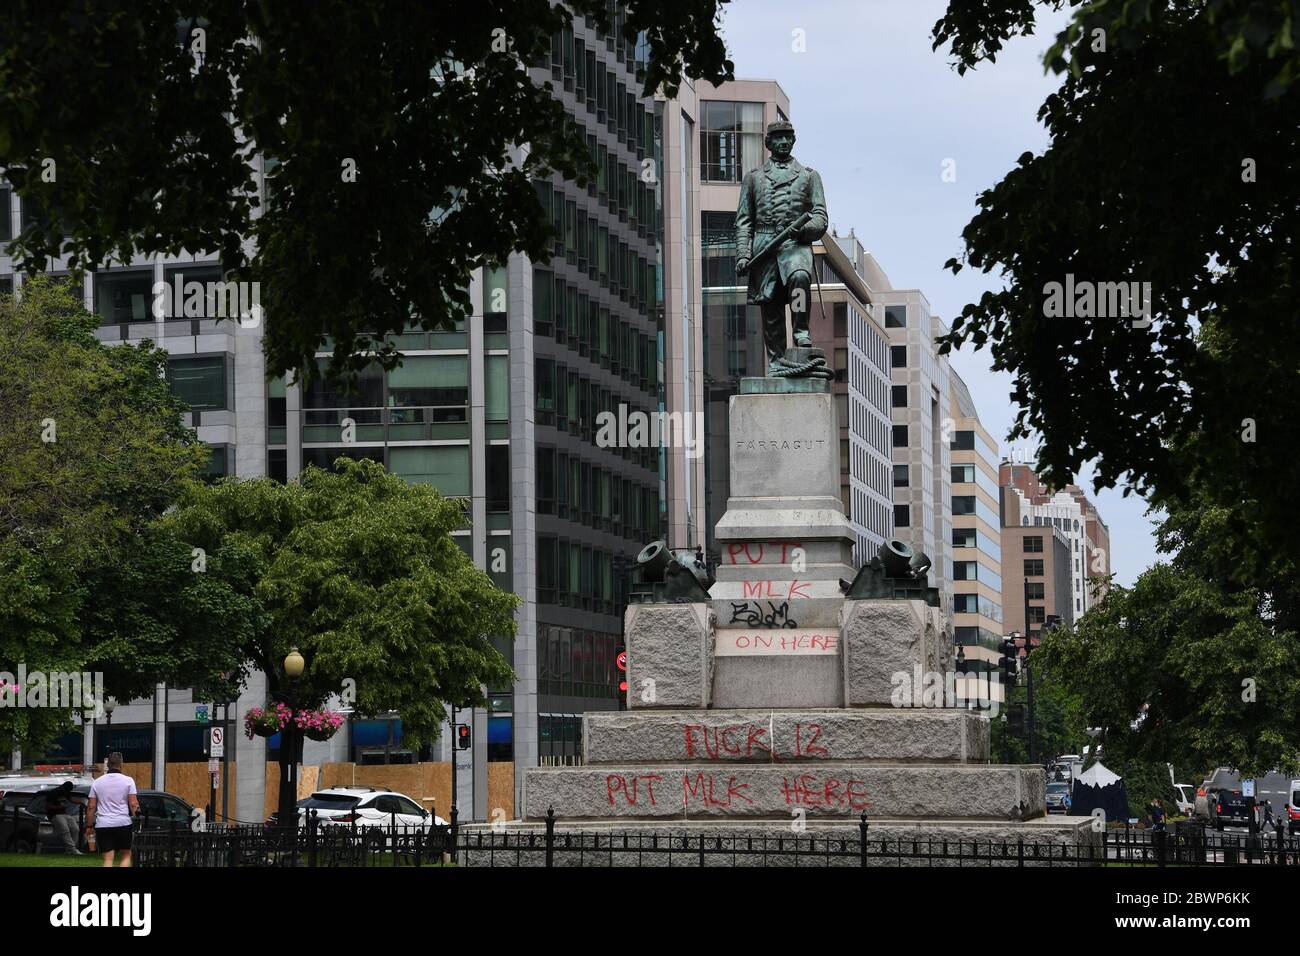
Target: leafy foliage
357 568
1146 180
431 102
1208 664
92 450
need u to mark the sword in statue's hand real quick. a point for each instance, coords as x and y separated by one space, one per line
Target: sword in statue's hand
744 265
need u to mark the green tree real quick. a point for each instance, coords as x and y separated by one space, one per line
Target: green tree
1174 160
92 450
1057 719
1188 666
357 569
393 132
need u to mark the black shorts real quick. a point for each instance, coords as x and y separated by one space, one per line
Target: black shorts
112 838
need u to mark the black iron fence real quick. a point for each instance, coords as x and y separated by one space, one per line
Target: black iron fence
333 845
311 845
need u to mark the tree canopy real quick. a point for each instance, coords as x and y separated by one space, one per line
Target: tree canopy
1174 160
393 132
93 449
1189 665
357 569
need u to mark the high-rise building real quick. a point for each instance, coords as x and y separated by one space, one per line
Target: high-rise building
501 411
976 532
919 400
1070 511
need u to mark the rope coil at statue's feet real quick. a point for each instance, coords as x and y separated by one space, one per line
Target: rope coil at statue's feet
814 367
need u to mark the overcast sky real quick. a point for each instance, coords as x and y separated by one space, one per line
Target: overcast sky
878 113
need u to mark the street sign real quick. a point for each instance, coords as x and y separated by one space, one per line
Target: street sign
216 779
214 764
1248 788
621 661
201 713
218 742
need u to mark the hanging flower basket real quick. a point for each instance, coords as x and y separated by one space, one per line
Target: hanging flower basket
265 722
318 724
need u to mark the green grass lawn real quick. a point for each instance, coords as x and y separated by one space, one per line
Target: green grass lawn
49 859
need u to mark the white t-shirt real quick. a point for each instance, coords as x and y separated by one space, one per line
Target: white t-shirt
110 792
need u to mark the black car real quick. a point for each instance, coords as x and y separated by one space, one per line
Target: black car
29 827
1233 809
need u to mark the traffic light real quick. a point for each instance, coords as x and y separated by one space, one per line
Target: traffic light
1010 659
462 737
1016 719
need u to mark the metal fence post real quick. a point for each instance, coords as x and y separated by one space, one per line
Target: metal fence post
550 836
1020 851
171 843
862 840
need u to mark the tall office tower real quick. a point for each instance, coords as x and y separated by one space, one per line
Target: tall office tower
501 411
1071 512
976 533
1036 574
734 117
919 397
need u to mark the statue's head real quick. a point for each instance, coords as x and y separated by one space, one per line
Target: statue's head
780 139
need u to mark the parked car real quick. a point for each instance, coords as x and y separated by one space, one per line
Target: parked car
30 827
1293 808
1186 799
366 807
1233 809
1058 798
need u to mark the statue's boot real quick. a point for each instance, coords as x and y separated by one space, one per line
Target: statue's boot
802 340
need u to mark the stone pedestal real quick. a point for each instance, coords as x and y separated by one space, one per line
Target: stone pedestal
779 699
786 545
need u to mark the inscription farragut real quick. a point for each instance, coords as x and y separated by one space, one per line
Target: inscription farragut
781 444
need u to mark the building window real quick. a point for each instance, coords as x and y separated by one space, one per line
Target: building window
901 473
964 538
496 388
898 396
200 382
962 441
963 504
731 140
900 436
495 300
497 477
446 467
965 603
1034 591
218 465
902 516
898 356
965 570
1037 615
1034 568
963 474
1033 544
440 382
895 316
122 297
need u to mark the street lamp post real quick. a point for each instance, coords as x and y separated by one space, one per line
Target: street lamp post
294 664
109 706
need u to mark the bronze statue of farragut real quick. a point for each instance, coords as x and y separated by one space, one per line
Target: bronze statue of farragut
782 213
